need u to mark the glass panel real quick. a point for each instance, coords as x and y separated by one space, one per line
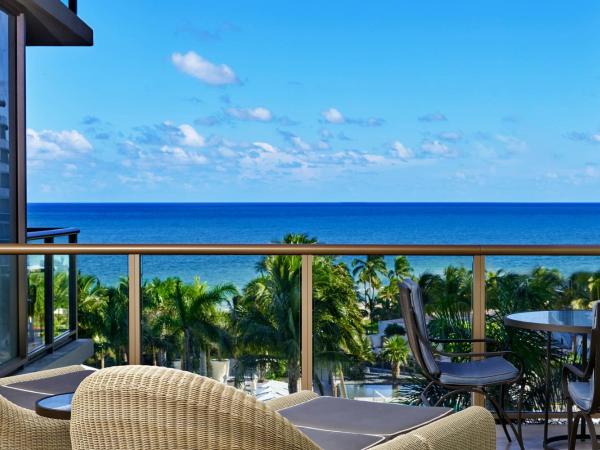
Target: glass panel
36 324
242 329
519 284
360 346
61 290
8 298
103 308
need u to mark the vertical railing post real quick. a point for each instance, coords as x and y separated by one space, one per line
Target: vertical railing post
73 288
135 310
49 295
478 325
307 323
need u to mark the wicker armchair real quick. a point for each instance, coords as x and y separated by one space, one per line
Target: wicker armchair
138 407
23 429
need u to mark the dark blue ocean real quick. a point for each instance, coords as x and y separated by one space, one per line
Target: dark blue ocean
352 223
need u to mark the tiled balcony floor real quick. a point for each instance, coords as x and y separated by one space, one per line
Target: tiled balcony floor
533 438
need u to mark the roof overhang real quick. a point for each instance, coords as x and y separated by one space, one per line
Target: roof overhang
51 22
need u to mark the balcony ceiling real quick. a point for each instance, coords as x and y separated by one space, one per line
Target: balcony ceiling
52 23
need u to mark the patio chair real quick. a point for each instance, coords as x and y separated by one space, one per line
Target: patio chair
584 391
152 408
489 369
20 427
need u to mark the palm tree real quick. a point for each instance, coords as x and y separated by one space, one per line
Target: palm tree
159 323
268 327
60 288
267 316
91 307
337 320
395 351
447 300
91 301
199 320
390 293
368 272
402 268
116 319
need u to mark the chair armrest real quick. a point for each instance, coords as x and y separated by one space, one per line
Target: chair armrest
471 429
450 341
570 369
290 400
474 354
39 375
490 342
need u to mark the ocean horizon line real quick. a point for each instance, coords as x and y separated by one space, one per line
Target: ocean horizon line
315 203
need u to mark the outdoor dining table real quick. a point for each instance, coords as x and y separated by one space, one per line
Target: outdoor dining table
576 322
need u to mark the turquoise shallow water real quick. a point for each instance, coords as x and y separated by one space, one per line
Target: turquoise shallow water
385 223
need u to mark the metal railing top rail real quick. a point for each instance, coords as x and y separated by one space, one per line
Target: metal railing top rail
304 249
43 232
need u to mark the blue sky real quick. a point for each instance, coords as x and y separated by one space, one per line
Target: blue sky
319 101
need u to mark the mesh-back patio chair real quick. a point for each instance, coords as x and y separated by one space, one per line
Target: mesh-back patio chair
584 391
489 369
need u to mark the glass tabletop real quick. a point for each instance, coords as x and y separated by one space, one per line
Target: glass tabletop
567 321
55 406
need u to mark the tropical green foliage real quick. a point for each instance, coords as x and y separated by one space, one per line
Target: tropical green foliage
395 351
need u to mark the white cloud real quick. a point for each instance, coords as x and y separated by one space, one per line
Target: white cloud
433 117
595 137
183 156
450 136
49 144
326 134
401 151
269 160
374 159
266 147
512 144
190 137
591 171
196 66
226 152
146 178
332 115
436 148
259 114
299 143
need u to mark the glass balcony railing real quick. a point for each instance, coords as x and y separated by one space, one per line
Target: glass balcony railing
51 291
322 317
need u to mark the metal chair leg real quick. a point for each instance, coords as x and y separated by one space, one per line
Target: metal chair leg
573 432
450 394
520 413
501 417
592 431
505 419
572 436
424 400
